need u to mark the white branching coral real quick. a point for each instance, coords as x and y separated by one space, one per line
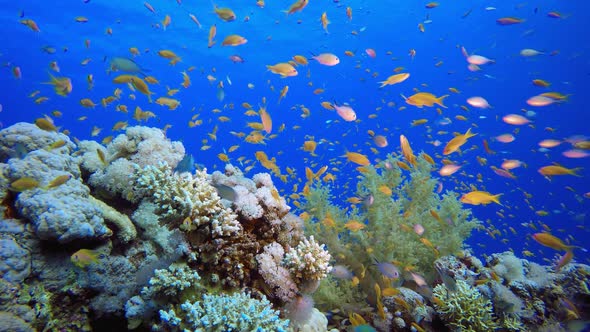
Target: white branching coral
182 196
308 261
274 274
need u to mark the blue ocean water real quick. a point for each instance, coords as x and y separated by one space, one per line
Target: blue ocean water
391 29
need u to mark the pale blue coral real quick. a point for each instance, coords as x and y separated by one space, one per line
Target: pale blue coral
15 261
171 281
29 137
237 312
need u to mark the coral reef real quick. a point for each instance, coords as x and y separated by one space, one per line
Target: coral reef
155 238
166 250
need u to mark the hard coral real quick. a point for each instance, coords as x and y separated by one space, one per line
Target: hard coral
237 312
464 309
232 255
145 146
275 274
138 147
181 196
23 137
308 261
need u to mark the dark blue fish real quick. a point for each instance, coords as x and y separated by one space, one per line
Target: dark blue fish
20 150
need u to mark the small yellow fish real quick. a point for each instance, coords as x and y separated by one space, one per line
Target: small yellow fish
24 184
45 124
58 181
480 197
84 257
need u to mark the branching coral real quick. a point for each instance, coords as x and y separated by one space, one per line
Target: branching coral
237 312
465 308
181 196
275 274
232 256
308 261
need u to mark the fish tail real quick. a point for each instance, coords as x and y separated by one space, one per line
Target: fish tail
575 170
468 133
440 99
496 199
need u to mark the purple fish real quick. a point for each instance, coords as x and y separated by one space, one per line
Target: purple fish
389 270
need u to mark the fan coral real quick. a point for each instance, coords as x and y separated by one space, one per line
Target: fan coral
237 312
464 309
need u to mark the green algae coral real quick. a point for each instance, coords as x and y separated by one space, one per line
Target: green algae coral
465 308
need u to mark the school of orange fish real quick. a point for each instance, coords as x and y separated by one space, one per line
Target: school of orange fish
129 82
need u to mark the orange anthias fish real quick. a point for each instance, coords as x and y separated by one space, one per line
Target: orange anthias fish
62 85
509 20
552 170
284 69
407 150
225 14
480 197
297 6
212 33
549 240
422 99
234 40
84 257
266 120
357 158
454 144
395 79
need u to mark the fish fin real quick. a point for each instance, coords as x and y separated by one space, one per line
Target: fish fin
440 99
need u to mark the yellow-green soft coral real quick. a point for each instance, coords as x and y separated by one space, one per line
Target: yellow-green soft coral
401 206
465 309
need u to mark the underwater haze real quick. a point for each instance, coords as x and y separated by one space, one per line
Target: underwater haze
513 73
